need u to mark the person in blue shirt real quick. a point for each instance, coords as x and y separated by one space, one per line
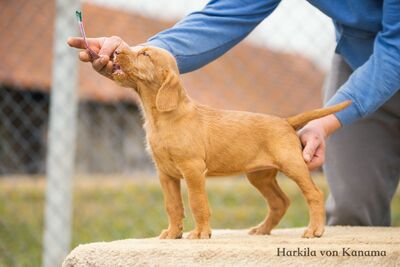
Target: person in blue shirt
362 162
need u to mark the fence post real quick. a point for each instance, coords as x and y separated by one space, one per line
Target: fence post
61 137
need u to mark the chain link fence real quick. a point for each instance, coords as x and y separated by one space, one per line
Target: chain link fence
71 137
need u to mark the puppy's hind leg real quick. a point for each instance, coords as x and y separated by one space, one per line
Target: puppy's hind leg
296 169
265 182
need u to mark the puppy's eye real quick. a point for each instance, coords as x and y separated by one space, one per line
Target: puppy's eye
144 53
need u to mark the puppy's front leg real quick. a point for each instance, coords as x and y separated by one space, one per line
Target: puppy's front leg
195 180
174 206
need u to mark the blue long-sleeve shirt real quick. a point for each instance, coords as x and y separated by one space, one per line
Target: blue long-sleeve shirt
367 33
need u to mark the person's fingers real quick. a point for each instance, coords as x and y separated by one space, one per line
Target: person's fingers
318 159
76 42
110 45
84 56
100 63
311 143
107 69
104 47
94 43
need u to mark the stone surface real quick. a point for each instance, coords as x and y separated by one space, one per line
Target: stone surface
355 246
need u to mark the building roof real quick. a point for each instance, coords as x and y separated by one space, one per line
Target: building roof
248 77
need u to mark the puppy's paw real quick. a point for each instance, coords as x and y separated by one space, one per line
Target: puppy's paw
203 234
313 231
171 234
260 230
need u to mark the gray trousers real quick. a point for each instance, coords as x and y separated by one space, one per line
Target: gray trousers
362 163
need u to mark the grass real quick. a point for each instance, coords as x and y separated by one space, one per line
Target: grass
110 208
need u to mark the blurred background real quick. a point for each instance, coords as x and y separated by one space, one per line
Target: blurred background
73 166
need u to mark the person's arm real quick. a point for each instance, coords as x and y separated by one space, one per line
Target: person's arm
372 84
369 87
196 40
205 35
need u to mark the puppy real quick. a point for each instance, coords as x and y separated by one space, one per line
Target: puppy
191 141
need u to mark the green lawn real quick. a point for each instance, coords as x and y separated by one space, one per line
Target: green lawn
111 208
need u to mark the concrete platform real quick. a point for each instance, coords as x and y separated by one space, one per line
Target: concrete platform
340 246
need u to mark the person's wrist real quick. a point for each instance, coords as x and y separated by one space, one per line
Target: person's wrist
328 124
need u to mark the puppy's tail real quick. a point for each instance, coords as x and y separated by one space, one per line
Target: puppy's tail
300 120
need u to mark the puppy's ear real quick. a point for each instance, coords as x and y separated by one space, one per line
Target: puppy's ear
168 94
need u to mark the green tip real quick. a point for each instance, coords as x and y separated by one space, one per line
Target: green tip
78 15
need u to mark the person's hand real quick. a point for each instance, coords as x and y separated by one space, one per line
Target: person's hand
312 137
104 47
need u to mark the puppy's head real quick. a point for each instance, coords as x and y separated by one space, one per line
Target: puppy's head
150 71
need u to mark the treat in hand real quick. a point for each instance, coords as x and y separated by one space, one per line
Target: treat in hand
92 54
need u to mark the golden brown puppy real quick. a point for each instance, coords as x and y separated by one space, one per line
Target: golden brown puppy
191 141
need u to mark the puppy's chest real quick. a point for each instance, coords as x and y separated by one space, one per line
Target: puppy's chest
166 151
161 150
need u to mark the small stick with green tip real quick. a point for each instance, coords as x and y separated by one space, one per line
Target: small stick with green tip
92 54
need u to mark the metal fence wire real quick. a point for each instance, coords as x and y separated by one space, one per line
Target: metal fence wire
62 122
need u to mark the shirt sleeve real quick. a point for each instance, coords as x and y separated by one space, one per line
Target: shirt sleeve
203 36
373 83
